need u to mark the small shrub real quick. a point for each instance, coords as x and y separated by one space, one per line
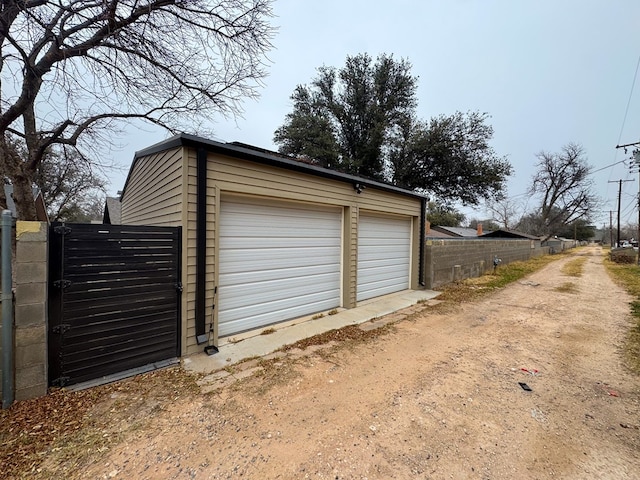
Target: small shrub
626 256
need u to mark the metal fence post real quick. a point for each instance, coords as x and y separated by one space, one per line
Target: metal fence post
7 312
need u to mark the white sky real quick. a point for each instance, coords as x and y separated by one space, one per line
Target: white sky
548 72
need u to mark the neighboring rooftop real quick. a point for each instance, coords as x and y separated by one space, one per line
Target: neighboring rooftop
112 211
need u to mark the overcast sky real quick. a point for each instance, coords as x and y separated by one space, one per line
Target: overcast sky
548 72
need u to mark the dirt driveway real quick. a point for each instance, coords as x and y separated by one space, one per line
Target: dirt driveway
437 397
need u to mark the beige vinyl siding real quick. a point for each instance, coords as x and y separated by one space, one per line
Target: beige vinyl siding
154 191
226 175
189 267
242 176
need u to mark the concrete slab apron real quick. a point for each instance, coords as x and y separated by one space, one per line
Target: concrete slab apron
261 345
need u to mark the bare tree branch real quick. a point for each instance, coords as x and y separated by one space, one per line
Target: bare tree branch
71 66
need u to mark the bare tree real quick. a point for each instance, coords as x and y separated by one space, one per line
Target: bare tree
505 212
70 186
73 70
563 182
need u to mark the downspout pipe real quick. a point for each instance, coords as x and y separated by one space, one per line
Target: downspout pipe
201 246
423 218
8 394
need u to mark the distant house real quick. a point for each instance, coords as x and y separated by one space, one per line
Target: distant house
514 235
112 211
41 210
560 244
453 232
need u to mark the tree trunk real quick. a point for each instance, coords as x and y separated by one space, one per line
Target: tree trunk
21 177
3 198
23 197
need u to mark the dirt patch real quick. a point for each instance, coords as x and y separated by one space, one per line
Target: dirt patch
436 396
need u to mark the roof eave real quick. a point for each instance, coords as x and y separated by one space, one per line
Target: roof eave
236 151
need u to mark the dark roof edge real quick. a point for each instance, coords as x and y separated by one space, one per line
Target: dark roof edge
260 156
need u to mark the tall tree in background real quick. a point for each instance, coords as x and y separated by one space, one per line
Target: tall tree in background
361 119
72 71
346 117
450 157
443 215
565 189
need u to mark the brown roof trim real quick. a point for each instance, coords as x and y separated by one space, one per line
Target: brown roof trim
265 157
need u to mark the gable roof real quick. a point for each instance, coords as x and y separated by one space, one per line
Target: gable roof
263 156
456 231
504 233
112 211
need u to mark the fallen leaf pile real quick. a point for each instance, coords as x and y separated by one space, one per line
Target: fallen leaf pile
350 332
29 428
69 424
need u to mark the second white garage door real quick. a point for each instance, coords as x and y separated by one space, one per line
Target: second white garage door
277 262
384 252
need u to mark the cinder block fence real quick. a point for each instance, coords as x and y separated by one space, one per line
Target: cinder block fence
30 310
451 260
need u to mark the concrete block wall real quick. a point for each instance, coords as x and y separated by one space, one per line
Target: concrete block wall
450 260
30 306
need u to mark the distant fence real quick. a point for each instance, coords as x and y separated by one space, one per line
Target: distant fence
451 260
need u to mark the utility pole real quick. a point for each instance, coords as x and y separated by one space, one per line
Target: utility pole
636 166
636 159
611 228
619 198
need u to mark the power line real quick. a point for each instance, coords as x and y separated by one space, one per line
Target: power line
624 120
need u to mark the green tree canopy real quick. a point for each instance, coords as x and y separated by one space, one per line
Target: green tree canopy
361 119
450 157
444 215
579 229
345 118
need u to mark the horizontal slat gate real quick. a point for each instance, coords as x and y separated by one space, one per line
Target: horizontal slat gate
114 296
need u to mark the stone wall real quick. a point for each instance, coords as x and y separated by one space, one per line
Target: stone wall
30 307
450 260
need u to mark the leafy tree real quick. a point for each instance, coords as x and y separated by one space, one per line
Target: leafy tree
345 118
487 225
579 229
565 189
450 157
309 132
73 71
443 215
361 119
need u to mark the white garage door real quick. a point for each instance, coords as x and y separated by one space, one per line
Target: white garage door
384 251
277 262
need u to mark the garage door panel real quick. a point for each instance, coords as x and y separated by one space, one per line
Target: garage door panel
384 254
276 262
249 277
259 292
256 316
387 272
257 260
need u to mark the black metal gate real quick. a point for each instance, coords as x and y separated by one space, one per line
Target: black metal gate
114 299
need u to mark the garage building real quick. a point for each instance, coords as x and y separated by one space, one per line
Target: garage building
267 238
